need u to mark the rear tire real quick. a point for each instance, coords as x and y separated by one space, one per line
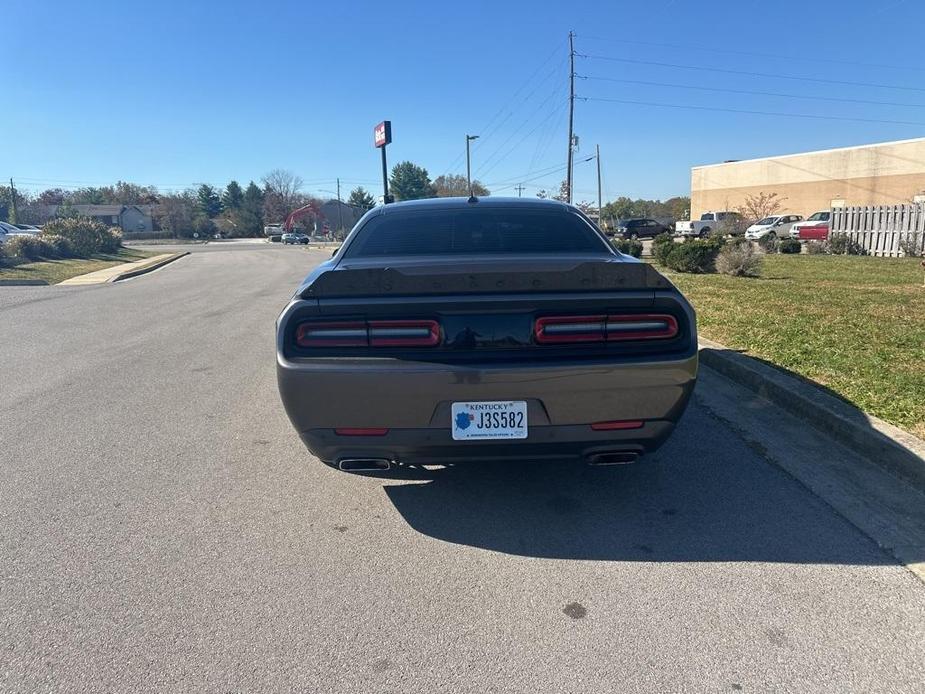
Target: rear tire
704 232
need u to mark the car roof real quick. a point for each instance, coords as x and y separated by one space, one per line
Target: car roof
459 203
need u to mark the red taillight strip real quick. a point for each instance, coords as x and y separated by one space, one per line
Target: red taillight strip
404 333
354 431
571 329
385 333
641 327
618 424
352 334
559 329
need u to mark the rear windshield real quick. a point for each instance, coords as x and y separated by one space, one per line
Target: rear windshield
475 231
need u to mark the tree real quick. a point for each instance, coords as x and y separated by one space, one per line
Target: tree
6 203
52 196
454 186
410 182
542 194
361 198
210 203
250 215
283 184
562 195
760 206
176 212
233 196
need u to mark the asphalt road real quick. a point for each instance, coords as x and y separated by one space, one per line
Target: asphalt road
162 528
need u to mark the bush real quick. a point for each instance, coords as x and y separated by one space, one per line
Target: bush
769 244
3 253
739 260
204 227
911 245
697 256
817 247
628 246
662 245
789 246
85 236
60 246
840 244
28 247
110 240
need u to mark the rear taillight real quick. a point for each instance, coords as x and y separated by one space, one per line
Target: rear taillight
384 333
573 329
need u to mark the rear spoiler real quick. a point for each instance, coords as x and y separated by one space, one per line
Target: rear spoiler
493 278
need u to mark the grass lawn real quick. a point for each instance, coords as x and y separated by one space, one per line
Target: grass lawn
853 324
54 271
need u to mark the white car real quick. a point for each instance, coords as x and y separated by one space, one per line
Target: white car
772 227
817 219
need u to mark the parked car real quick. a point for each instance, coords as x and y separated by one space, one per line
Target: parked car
709 222
446 331
772 227
295 238
7 230
28 228
814 225
641 228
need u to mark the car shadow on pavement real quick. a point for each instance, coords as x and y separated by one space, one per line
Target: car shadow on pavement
705 496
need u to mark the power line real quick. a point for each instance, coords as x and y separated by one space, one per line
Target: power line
726 71
520 141
748 91
758 113
777 56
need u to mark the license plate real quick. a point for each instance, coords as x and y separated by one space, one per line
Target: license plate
489 420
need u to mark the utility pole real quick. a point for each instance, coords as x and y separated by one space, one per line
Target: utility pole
571 111
469 139
520 189
599 220
340 208
12 202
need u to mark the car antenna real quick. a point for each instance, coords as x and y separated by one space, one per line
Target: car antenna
472 199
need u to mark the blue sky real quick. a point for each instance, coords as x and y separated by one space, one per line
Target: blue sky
178 93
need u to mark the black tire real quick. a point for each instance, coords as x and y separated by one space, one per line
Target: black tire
771 235
633 236
704 232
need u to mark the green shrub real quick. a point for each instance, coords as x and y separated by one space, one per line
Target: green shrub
841 244
769 244
912 245
110 240
60 246
739 260
85 235
28 247
789 246
629 246
695 255
3 253
661 247
817 247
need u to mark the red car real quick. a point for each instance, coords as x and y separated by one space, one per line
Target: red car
816 228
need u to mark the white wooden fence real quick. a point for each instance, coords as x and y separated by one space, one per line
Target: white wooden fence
883 230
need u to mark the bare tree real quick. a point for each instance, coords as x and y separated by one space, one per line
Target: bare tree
760 206
284 184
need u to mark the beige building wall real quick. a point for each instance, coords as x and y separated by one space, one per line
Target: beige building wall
881 174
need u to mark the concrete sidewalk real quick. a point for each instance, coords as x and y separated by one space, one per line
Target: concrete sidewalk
123 271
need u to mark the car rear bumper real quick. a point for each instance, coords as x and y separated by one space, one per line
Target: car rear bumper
413 401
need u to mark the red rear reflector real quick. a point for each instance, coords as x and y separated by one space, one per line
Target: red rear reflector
619 424
570 329
361 432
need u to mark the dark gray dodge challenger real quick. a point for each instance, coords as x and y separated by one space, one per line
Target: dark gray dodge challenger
452 330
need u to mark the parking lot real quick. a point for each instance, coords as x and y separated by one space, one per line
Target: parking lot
163 528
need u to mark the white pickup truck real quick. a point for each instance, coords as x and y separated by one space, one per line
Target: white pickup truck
708 222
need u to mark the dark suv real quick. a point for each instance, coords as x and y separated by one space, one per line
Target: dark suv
641 228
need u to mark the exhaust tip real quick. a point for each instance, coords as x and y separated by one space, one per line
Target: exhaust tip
363 464
619 458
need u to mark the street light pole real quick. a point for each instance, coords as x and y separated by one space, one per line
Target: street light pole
469 139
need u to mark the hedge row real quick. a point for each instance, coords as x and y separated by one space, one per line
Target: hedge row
64 238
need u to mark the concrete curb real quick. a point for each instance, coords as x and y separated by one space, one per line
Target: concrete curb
23 283
891 448
142 269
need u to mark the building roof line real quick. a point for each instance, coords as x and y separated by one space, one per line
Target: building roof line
816 151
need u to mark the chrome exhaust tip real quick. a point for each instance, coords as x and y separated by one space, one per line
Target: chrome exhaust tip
363 464
620 458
